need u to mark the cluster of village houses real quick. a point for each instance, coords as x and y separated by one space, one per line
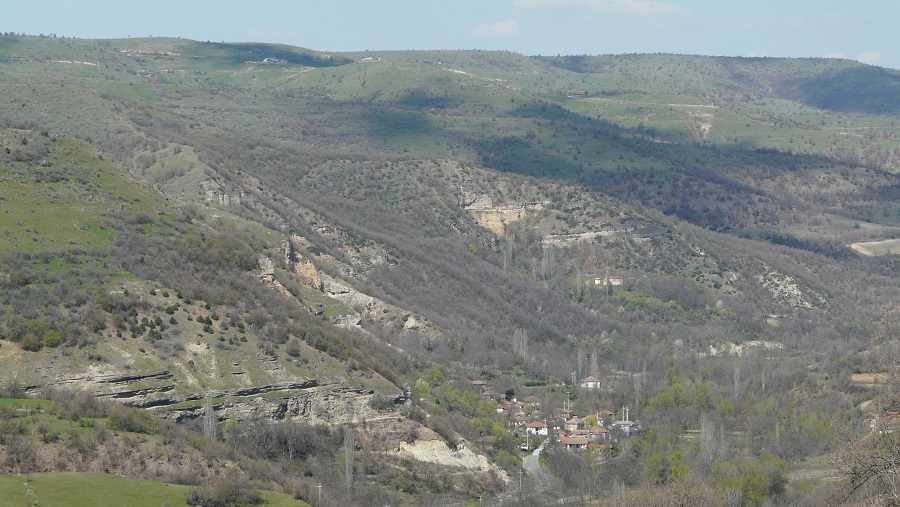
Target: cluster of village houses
597 430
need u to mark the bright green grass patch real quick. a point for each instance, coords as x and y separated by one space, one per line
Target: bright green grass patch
41 414
17 403
88 489
72 489
61 202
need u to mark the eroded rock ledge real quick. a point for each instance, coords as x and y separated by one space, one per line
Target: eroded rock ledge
241 392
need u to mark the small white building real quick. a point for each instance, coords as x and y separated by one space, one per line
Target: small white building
536 428
591 382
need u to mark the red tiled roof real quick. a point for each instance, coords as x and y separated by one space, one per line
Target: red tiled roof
574 440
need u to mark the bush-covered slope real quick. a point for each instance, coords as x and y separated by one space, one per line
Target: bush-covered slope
259 223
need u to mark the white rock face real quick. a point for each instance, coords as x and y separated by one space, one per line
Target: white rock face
266 268
438 452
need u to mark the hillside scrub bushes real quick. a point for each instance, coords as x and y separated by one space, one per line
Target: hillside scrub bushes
228 491
212 268
76 404
131 420
755 479
52 305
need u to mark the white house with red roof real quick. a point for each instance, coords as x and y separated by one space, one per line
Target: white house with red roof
533 401
536 428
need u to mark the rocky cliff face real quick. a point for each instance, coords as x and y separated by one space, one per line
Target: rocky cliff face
306 271
308 275
496 217
327 405
266 269
213 192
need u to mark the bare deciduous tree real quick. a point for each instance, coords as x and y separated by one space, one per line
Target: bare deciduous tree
209 420
349 445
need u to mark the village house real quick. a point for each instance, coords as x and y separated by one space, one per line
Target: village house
563 414
590 382
536 428
493 396
575 423
534 401
605 418
625 428
509 408
574 442
599 433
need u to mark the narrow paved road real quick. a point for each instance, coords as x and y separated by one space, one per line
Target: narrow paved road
533 466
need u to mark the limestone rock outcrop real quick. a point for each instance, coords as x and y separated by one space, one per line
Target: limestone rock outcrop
496 217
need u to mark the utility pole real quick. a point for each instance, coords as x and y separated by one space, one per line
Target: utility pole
520 485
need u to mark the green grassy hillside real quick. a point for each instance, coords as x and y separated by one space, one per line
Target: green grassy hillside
57 191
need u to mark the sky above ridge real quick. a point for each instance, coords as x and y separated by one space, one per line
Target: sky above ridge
864 31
